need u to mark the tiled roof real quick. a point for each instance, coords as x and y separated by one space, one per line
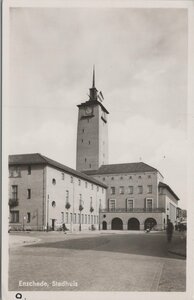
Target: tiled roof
37 158
122 168
164 185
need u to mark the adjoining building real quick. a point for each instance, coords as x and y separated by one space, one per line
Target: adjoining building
136 197
44 194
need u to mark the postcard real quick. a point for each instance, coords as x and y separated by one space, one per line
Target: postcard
97 131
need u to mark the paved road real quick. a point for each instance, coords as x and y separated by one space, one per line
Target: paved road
98 262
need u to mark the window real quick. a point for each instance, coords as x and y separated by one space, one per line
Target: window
88 219
112 205
139 177
91 219
85 160
82 130
67 217
71 217
130 189
14 172
94 219
160 190
149 189
29 193
67 196
121 190
63 176
140 189
121 177
97 188
53 203
82 218
130 204
15 216
54 181
149 176
82 141
103 179
112 190
29 170
90 166
92 186
90 201
130 177
149 203
14 192
102 190
79 182
80 199
86 184
28 217
112 178
89 142
85 219
75 218
71 179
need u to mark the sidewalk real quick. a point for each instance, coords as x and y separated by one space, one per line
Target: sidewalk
178 246
16 240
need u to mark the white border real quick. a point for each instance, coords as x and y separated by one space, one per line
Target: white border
189 294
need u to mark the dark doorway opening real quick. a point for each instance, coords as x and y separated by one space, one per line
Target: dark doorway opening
133 224
53 224
150 223
117 224
104 225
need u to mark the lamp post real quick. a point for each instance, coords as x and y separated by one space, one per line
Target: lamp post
47 226
80 209
24 218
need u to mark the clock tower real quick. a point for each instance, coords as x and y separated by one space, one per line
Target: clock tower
92 132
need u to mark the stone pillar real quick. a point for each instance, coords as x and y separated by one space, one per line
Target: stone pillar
125 226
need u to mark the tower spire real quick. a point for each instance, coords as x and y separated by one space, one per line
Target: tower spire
93 91
93 84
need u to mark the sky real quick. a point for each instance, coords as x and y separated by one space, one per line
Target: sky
140 58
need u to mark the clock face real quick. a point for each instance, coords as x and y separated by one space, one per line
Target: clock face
88 110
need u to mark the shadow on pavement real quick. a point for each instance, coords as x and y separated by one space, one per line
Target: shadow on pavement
148 244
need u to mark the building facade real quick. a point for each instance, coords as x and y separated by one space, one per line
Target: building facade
44 194
136 197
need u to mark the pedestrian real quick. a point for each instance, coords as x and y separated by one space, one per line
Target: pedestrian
64 228
169 231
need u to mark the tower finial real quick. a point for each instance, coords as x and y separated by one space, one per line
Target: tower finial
93 85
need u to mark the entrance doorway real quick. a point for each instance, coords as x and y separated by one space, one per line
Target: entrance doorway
150 223
53 225
104 225
133 224
117 224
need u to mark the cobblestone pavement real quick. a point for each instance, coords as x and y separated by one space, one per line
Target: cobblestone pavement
94 261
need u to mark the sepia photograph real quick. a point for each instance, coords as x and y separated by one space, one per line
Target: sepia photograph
96 116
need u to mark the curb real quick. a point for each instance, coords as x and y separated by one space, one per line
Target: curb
177 253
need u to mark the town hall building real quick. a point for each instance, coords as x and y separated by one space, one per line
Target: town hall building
131 196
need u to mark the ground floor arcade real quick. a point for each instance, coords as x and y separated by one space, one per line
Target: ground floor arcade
132 221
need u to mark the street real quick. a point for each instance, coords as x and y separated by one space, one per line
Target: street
105 261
